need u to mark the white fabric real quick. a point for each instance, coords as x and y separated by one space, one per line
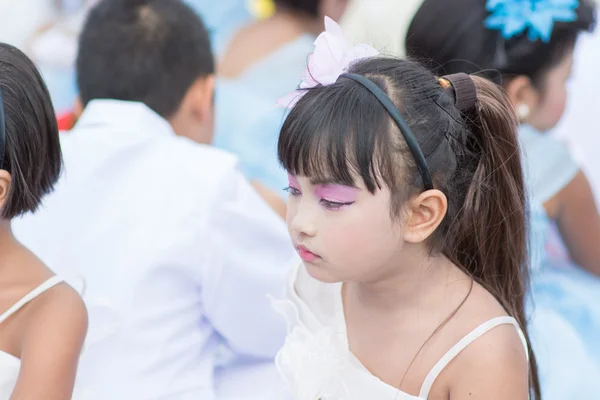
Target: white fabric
316 361
177 253
9 364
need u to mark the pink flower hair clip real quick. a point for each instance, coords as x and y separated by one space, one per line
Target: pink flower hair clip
332 57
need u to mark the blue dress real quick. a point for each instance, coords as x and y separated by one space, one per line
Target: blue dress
248 119
564 306
222 18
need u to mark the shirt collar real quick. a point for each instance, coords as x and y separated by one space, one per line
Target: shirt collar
128 116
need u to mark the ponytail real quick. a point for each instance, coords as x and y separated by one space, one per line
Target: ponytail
490 233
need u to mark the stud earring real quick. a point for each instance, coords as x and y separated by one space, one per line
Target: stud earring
522 111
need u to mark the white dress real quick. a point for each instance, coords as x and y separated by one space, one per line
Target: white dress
316 361
9 364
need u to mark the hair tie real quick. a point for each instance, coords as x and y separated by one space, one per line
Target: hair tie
465 91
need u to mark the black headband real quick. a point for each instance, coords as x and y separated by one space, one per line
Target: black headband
2 131
409 137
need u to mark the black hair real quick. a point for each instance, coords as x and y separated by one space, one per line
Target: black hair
150 51
341 131
308 7
461 42
32 153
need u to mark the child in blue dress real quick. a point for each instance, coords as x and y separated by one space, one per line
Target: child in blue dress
527 46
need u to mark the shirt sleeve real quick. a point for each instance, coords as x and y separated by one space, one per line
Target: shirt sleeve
548 165
250 258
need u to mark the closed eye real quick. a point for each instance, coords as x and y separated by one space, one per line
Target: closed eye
334 205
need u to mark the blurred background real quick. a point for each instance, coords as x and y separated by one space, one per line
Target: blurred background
47 31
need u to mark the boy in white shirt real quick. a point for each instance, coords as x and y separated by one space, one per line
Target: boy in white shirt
175 248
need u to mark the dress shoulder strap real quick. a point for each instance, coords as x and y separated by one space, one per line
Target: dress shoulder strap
50 283
463 344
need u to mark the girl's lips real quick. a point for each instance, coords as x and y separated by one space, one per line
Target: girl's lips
306 255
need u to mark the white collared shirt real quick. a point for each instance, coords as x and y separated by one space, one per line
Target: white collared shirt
176 250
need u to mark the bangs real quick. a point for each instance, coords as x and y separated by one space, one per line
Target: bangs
336 133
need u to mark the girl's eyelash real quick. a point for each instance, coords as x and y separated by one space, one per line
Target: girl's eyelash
292 191
332 205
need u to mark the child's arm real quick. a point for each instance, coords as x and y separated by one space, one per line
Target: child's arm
575 212
494 367
274 201
51 346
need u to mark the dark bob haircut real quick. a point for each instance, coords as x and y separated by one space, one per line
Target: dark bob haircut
32 153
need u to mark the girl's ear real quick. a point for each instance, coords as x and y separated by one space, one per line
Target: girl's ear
5 180
425 214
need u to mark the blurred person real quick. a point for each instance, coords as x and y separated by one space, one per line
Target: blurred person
176 249
222 18
43 321
532 57
574 127
261 64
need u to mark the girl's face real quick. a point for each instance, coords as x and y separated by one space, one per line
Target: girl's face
552 97
343 233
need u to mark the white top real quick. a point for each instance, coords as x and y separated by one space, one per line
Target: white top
316 361
9 364
177 253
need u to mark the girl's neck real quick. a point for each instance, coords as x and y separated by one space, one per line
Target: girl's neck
417 282
7 241
6 235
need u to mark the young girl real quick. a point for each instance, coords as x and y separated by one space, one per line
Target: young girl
42 320
533 62
407 207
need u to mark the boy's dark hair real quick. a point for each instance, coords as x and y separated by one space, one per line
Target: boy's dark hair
309 7
341 131
150 51
32 153
461 42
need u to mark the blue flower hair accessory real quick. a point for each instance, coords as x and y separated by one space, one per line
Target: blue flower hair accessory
513 17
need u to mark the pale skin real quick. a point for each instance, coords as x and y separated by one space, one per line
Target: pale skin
573 208
396 295
47 334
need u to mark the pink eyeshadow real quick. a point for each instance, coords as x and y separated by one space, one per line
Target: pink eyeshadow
337 193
